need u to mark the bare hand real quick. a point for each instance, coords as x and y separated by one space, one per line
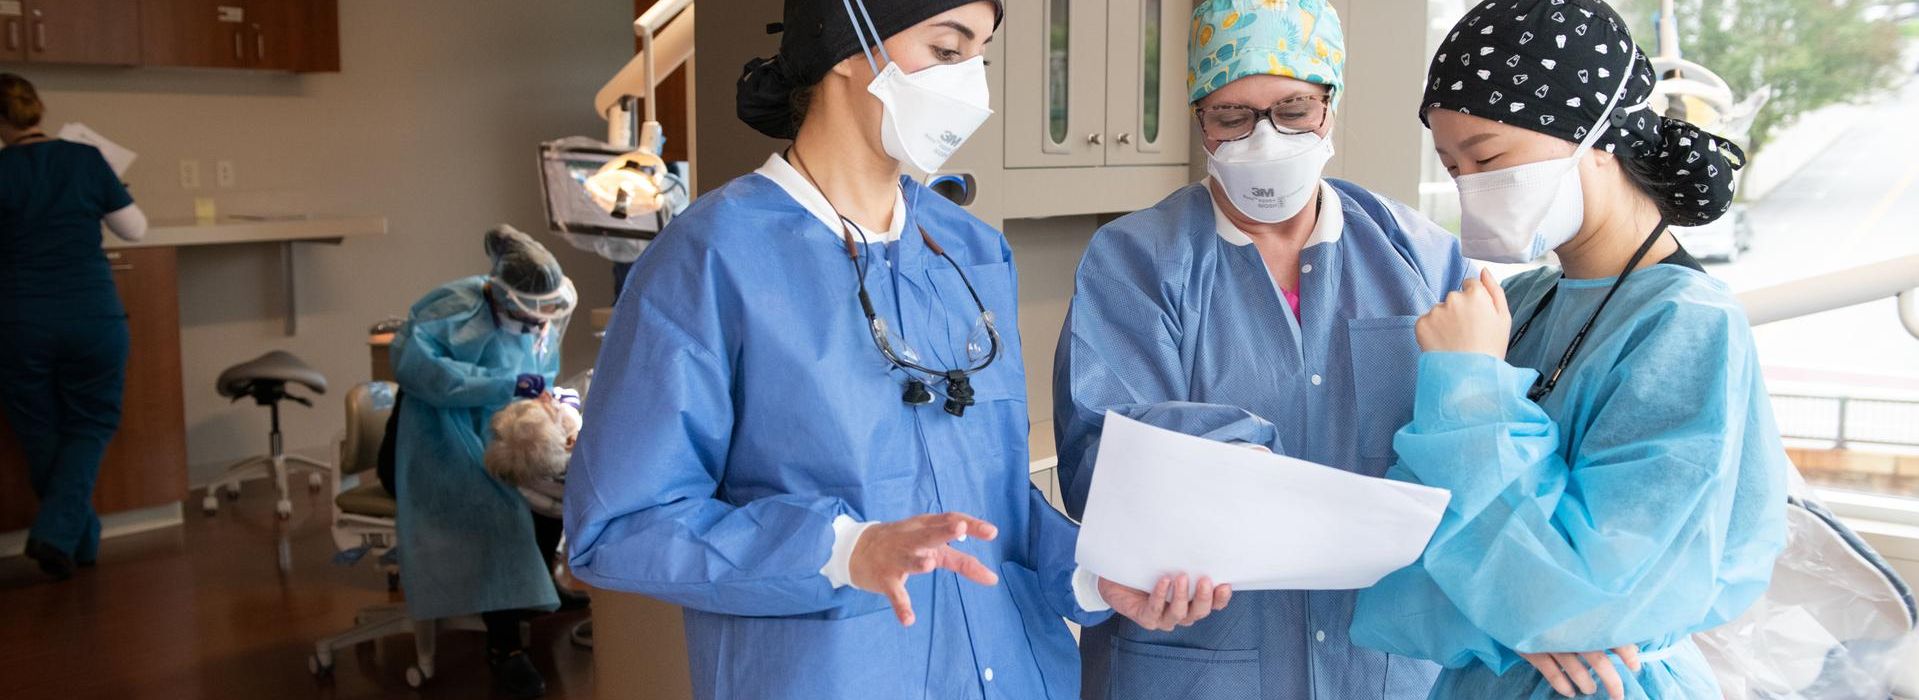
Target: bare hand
1567 671
1473 319
1172 603
888 553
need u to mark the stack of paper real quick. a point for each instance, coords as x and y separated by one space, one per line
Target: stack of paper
1168 503
117 155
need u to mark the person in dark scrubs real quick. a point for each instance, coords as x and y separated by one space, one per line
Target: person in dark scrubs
64 361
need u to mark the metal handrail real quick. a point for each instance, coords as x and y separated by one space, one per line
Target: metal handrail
1898 277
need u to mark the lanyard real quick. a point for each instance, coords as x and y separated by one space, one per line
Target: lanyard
958 381
1545 384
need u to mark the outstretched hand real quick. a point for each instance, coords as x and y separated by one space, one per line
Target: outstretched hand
889 553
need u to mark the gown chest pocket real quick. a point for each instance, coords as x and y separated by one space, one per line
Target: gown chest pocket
1385 362
955 323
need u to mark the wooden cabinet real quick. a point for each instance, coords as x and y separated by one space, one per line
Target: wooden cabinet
102 32
146 464
188 33
13 30
308 36
280 35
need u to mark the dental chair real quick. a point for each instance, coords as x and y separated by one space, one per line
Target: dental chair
365 525
1837 622
266 379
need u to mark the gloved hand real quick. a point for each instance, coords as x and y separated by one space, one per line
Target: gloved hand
529 386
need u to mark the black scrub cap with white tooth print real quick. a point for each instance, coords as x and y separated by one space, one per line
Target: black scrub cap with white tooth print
1552 66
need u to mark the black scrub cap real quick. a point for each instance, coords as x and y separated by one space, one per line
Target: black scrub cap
521 263
815 36
1551 66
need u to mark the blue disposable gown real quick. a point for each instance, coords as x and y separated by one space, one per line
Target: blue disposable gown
466 540
739 406
1176 326
1641 501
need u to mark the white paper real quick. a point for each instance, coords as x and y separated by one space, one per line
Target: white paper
117 155
1167 503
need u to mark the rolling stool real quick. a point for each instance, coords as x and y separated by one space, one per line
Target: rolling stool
265 379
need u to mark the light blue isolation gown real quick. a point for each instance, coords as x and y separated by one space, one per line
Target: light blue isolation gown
1175 325
740 405
466 540
1641 501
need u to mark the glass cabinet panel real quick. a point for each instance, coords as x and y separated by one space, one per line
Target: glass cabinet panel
1058 68
1150 34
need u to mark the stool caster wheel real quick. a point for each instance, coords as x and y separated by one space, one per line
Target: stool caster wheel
415 677
210 505
318 667
284 509
314 482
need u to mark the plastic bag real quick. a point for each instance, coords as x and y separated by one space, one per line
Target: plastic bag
1836 623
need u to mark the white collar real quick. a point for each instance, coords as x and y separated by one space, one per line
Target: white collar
1331 224
801 190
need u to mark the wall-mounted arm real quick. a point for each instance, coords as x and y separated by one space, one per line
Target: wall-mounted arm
666 43
1834 290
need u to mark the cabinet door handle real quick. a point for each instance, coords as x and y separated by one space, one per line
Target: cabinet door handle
1096 139
122 267
260 43
13 35
40 36
239 48
1125 139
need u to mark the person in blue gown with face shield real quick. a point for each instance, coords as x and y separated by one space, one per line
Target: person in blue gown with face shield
808 424
1617 479
1265 305
468 542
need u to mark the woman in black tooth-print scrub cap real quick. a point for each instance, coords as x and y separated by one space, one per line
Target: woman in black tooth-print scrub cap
1617 480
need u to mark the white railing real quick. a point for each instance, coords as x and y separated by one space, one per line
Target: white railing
1898 277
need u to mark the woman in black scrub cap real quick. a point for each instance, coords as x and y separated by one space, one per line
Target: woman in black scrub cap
1617 480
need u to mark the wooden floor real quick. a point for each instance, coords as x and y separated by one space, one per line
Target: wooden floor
202 611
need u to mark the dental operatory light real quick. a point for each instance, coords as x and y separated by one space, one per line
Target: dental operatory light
632 184
612 196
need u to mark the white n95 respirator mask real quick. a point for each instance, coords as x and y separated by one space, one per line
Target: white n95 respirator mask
927 114
1516 214
1268 176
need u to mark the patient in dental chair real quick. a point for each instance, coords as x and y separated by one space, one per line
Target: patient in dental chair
532 439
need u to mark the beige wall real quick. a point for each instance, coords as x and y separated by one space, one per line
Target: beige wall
1378 136
1047 252
433 124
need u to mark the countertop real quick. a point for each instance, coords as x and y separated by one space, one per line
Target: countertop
181 233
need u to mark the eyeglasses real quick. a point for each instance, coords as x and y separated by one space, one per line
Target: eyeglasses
1298 115
982 343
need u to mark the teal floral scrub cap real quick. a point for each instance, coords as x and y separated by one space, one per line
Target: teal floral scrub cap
1233 39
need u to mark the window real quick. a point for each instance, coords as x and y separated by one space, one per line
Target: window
1830 185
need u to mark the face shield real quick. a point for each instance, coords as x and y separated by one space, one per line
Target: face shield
538 308
544 316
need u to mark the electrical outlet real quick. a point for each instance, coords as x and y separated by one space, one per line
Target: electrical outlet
189 174
223 173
